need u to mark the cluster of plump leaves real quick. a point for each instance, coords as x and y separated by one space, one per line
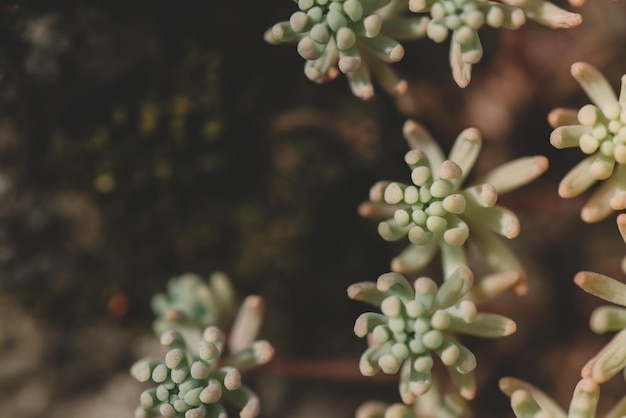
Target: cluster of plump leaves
201 367
529 401
420 319
192 384
438 212
599 130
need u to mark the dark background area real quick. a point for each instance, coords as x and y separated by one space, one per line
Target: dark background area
143 139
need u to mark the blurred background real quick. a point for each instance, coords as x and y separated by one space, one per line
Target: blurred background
140 140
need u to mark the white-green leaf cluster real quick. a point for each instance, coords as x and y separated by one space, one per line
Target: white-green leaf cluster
437 211
202 367
599 130
418 320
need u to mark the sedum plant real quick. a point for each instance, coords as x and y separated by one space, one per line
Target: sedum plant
612 358
529 401
432 404
436 211
463 18
361 38
599 130
417 320
356 37
202 366
191 303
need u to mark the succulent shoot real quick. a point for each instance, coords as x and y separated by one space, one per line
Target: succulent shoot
432 404
436 211
192 384
195 303
612 358
464 18
417 320
356 37
202 367
599 130
528 401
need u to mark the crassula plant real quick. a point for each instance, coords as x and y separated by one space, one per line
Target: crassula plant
418 320
529 401
437 211
358 38
202 365
433 404
599 130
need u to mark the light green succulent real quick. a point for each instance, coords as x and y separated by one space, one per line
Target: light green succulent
465 17
420 319
605 318
201 366
612 358
599 130
356 37
527 401
194 303
436 211
432 404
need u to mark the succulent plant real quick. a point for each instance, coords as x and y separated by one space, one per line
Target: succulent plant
201 366
612 358
465 17
436 211
195 303
527 401
432 404
356 37
192 384
599 130
417 320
